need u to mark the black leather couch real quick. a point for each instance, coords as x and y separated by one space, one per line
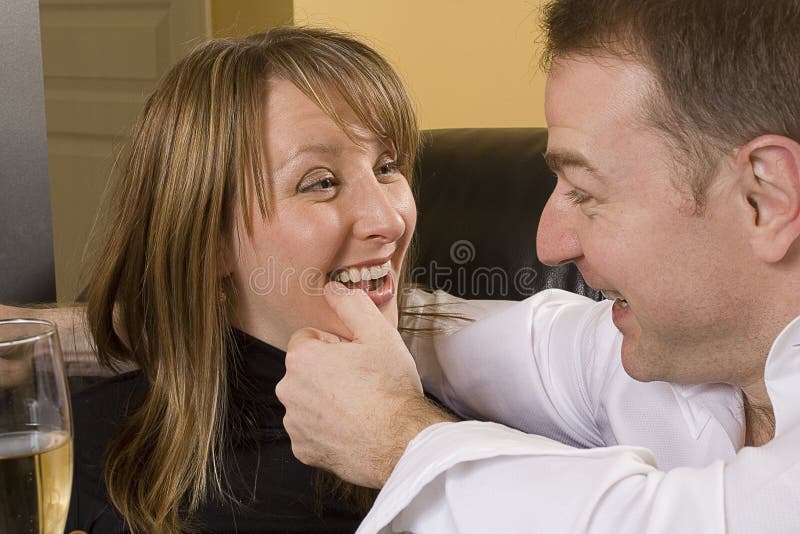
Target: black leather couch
480 193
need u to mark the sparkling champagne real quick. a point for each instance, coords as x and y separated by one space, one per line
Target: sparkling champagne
35 482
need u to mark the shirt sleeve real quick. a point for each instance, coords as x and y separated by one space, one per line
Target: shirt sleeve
538 365
474 477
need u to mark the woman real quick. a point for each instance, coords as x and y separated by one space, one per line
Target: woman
260 169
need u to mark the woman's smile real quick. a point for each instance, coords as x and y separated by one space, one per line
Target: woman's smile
342 211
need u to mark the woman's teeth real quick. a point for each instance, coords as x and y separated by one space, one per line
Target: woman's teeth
359 274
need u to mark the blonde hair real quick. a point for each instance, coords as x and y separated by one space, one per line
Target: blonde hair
195 151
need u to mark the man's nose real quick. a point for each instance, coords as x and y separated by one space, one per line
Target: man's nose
376 213
557 238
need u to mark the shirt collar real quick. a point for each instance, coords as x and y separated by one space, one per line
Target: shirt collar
712 404
782 376
703 402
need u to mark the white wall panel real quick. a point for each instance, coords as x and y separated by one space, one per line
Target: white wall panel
102 58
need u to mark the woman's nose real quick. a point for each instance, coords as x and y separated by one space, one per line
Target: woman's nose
377 213
557 239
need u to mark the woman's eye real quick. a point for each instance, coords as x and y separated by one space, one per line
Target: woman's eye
577 197
324 183
388 167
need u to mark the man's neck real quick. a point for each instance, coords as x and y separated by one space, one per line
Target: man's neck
758 410
759 416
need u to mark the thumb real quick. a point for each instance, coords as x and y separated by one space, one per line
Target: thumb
358 313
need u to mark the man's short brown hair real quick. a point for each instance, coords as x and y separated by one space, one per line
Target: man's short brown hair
726 71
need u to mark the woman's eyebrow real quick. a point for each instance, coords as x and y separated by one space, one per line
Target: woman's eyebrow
316 148
558 160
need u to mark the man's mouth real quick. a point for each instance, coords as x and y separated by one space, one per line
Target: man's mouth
366 277
613 295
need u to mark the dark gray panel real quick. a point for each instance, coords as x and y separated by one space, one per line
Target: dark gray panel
26 235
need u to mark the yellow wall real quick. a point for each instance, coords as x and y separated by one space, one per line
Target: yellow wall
242 17
468 63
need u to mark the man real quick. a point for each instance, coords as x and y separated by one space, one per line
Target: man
675 134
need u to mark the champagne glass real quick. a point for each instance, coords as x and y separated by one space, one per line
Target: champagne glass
35 429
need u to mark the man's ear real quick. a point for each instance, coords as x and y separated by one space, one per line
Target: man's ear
772 165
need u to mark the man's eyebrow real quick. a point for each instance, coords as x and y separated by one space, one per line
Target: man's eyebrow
558 160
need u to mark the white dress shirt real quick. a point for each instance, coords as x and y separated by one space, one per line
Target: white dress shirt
631 457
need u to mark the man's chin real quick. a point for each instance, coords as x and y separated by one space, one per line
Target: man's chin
634 361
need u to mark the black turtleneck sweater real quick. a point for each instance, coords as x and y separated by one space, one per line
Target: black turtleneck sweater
275 491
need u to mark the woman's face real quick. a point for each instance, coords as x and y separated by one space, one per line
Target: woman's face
338 207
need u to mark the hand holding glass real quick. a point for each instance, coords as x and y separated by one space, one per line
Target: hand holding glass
35 429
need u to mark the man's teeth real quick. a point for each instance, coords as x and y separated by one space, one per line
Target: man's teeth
613 295
358 274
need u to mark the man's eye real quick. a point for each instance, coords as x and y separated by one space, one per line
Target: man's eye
577 197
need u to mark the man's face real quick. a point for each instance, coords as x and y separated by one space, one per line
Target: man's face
623 212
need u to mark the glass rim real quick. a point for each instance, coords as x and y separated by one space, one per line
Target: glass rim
49 331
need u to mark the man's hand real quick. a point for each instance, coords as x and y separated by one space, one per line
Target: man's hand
353 406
